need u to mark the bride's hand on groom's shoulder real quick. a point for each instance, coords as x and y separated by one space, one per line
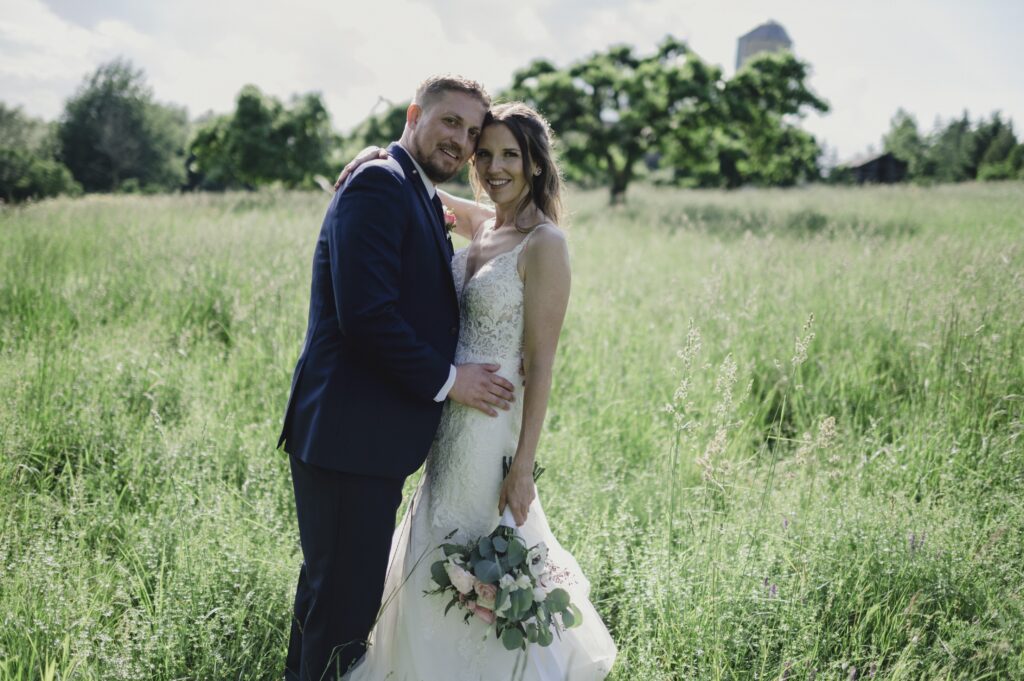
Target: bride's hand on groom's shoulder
480 387
370 153
517 492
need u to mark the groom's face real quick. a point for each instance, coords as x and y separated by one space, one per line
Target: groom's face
444 133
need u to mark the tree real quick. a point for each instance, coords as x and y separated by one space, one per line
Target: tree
906 143
377 129
262 142
948 158
28 167
760 141
616 108
113 131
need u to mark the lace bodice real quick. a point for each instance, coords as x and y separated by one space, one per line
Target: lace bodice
464 465
491 309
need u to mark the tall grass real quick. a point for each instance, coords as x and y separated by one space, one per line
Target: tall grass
784 439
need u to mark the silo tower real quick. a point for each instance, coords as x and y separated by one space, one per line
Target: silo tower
768 37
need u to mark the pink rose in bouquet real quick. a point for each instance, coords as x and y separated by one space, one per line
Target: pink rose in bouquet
486 614
486 594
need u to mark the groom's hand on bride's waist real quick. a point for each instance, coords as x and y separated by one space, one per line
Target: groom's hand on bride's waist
480 387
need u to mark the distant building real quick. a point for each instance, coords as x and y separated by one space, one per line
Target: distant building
769 37
881 168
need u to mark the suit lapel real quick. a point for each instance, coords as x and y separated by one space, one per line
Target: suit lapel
434 217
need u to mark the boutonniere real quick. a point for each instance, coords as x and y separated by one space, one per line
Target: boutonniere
449 219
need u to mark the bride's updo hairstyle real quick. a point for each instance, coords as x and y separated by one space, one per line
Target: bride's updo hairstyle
534 136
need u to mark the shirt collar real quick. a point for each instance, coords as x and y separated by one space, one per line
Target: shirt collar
431 191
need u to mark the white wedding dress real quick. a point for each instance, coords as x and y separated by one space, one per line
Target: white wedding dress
413 639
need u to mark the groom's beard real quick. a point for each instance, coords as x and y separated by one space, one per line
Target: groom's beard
436 174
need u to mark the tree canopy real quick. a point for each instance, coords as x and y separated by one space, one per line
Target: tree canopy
616 108
29 168
113 133
263 141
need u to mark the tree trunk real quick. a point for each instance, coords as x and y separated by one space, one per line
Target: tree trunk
620 178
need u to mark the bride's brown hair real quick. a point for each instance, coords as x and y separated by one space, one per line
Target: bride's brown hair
535 139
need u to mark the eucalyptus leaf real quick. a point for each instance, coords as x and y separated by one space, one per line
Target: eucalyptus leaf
500 544
485 548
522 599
439 575
557 600
512 638
544 637
487 571
516 553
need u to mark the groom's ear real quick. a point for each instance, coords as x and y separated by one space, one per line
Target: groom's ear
412 114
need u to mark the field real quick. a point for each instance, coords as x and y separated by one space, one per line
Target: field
784 442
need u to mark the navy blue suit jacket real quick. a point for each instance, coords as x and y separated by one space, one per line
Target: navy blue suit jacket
383 324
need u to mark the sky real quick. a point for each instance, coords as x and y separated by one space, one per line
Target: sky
934 58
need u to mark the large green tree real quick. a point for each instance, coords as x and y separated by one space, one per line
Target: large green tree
113 133
615 109
28 165
759 140
263 141
905 142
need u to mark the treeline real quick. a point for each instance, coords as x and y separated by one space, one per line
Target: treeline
667 117
113 136
987 149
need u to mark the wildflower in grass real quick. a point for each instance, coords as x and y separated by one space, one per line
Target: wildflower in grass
822 441
915 542
681 405
803 342
724 384
707 461
827 432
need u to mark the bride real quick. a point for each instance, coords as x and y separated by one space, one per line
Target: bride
513 288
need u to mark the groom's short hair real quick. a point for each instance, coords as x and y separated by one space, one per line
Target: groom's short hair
432 88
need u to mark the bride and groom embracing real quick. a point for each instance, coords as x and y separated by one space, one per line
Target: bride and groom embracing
412 354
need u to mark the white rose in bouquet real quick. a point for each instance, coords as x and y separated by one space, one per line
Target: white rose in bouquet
461 579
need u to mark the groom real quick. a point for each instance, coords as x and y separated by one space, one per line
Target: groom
374 372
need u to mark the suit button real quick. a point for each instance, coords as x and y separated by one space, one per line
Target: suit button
453 331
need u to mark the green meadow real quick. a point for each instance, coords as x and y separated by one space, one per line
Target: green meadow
784 440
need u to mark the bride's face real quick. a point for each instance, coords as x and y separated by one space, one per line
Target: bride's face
499 165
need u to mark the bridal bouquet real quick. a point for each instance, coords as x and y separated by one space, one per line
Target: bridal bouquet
500 580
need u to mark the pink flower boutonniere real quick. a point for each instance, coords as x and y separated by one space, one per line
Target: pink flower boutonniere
449 219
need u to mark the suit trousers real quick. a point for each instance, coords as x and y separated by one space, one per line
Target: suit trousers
345 527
